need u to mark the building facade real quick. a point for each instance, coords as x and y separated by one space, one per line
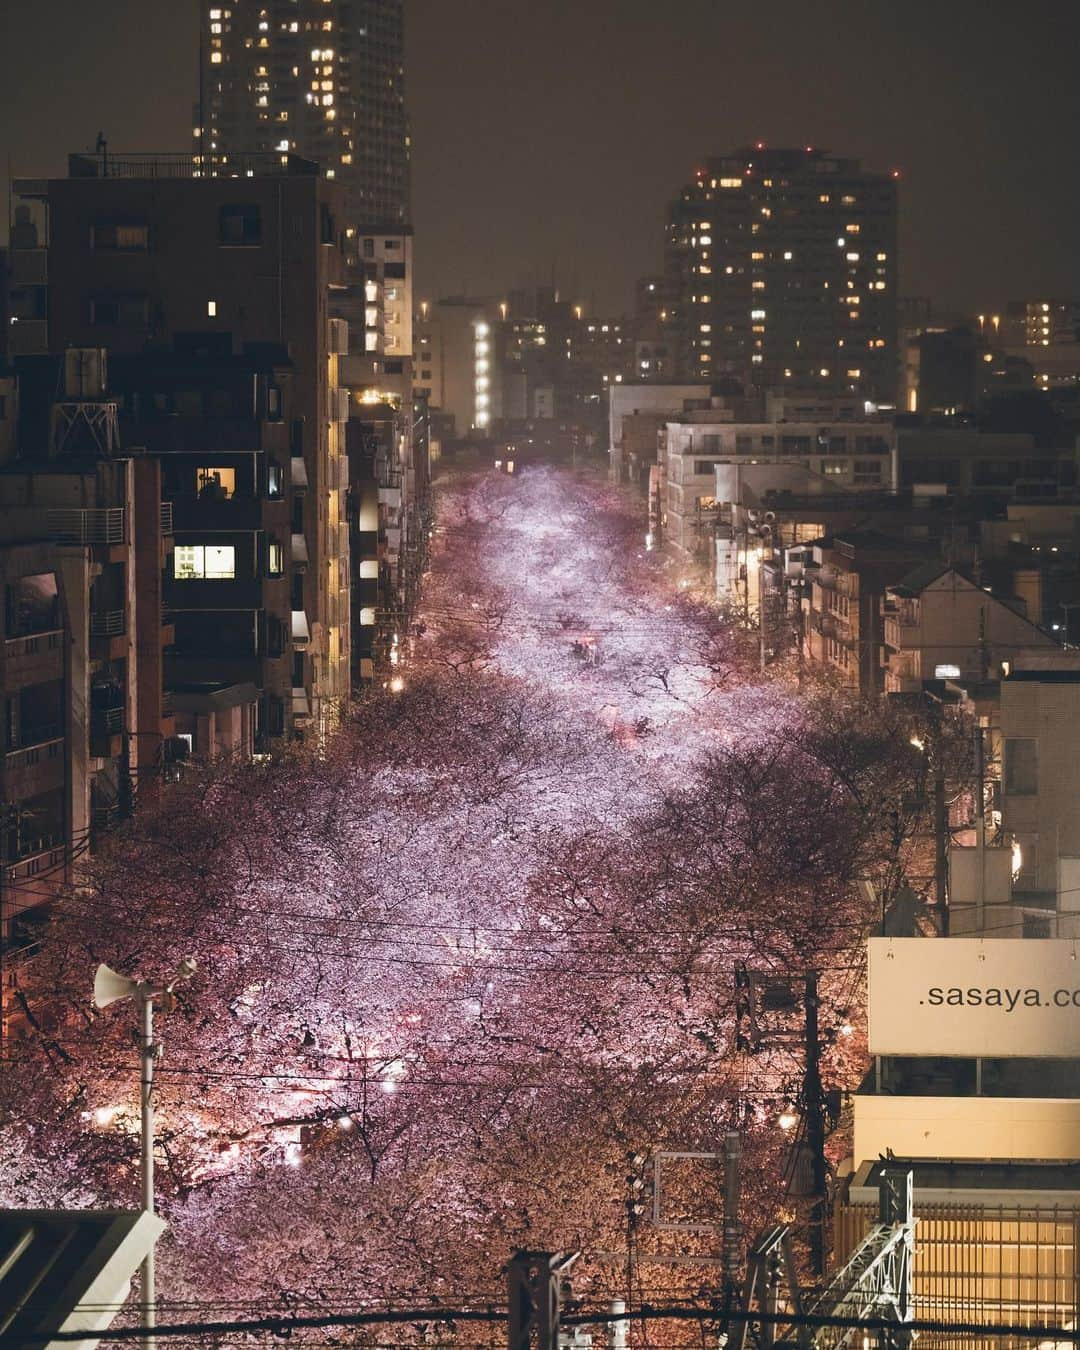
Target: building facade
324 79
781 271
139 252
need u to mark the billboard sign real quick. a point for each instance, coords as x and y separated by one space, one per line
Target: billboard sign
972 997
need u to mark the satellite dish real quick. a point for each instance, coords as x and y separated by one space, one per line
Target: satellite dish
109 987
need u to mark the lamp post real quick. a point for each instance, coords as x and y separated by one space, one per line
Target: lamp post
110 987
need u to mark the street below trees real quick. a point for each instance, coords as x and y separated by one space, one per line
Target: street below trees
456 965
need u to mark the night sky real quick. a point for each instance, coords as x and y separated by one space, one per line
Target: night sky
548 136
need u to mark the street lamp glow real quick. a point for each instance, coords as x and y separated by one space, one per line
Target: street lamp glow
789 1118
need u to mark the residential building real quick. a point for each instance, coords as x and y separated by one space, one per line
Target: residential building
842 588
965 461
713 460
781 270
84 536
222 430
324 79
940 625
656 401
141 251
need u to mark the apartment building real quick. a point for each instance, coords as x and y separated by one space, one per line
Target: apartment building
84 537
940 625
713 461
320 78
781 270
132 253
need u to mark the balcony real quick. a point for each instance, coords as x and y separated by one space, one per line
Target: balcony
49 856
110 623
29 266
37 765
28 337
106 732
107 525
190 512
33 658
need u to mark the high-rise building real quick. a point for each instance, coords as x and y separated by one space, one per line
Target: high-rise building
321 78
781 272
137 256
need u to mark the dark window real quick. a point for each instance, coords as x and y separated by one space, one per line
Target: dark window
394 271
395 367
298 513
1022 766
795 445
703 467
297 588
3 406
123 238
369 248
326 224
276 636
240 225
123 310
33 605
391 243
298 670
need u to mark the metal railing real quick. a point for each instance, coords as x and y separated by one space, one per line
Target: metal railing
110 623
257 163
166 518
91 525
38 744
29 644
992 1263
47 857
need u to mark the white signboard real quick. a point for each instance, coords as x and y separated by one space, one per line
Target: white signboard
975 997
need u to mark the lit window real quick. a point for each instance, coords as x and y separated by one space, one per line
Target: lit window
211 309
853 229
215 58
788 256
730 182
824 197
852 257
215 483
757 313
757 257
204 562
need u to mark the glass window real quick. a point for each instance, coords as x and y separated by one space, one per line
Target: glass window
275 558
130 238
215 483
240 225
274 486
1022 766
33 605
204 562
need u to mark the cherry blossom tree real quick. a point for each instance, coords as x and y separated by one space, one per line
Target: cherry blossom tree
459 962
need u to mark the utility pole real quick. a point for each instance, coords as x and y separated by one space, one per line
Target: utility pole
814 1107
941 837
732 1248
762 620
534 1286
109 988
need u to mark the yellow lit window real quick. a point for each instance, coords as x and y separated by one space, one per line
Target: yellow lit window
757 285
215 58
853 229
823 198
730 182
852 257
758 257
854 374
848 200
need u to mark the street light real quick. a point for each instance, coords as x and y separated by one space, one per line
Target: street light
111 987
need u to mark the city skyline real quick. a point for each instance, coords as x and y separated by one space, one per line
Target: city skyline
962 103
